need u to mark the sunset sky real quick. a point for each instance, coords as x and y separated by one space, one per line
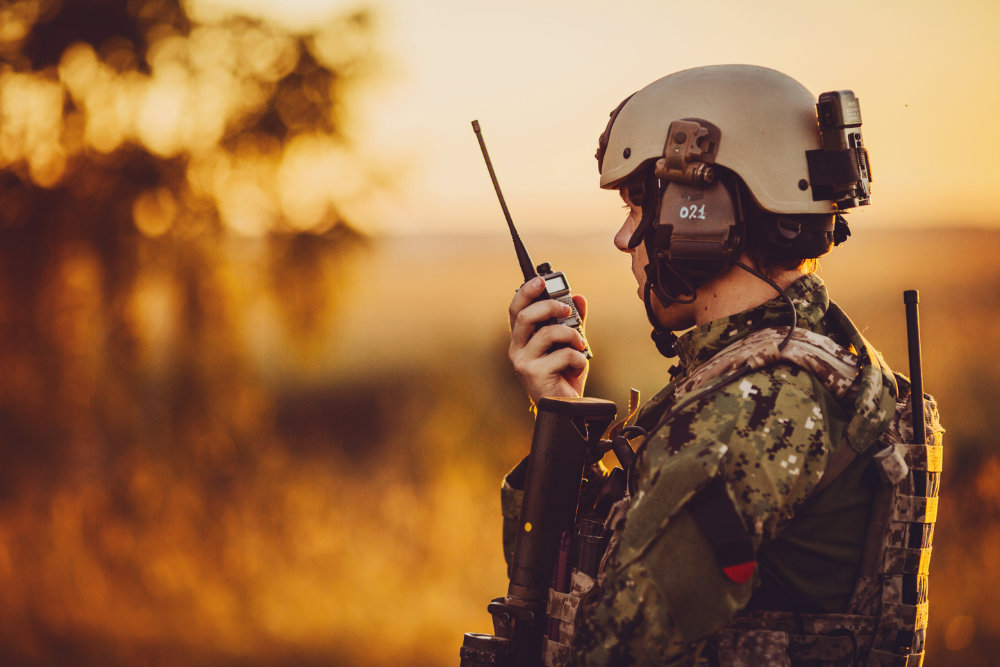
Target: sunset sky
542 77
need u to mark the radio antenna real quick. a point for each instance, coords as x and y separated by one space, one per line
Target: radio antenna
527 266
911 298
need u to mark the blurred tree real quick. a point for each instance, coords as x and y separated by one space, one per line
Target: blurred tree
163 182
135 145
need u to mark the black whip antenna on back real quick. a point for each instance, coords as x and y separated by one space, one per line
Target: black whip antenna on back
527 266
911 298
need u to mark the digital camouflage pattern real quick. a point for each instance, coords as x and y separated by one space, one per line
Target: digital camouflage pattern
886 619
769 435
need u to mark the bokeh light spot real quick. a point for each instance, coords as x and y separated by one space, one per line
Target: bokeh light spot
119 54
154 212
31 124
960 633
163 110
78 69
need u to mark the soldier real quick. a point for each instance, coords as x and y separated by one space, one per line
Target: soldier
729 548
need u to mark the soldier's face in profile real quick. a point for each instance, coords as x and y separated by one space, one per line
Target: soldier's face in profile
677 315
639 257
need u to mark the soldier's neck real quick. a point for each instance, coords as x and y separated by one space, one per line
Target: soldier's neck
737 290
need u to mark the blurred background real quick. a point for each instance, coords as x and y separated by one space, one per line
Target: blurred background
255 404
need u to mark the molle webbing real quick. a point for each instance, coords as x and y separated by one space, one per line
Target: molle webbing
899 583
561 610
838 639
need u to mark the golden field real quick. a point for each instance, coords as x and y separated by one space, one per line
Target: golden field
263 493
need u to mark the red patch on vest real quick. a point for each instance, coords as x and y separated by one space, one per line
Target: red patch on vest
741 572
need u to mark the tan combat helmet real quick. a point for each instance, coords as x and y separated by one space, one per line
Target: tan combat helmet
693 147
770 136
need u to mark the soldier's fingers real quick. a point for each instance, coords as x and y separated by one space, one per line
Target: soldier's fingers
569 358
565 362
541 343
524 297
528 318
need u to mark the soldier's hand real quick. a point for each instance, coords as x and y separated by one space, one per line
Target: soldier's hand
545 371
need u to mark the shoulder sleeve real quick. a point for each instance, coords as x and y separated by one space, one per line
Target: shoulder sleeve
773 431
765 440
779 444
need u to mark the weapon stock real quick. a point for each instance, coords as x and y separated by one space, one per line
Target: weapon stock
565 429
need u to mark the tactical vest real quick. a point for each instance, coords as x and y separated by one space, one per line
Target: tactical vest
886 618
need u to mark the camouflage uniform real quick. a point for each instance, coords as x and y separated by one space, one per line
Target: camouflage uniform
765 439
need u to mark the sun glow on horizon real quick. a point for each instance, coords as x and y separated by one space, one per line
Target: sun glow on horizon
543 78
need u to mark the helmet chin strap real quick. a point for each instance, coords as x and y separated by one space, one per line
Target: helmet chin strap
650 198
664 339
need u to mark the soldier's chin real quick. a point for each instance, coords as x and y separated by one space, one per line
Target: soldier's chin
675 317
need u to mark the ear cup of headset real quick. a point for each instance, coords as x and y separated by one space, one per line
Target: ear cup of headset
697 234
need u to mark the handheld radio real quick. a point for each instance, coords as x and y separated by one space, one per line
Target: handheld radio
556 285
